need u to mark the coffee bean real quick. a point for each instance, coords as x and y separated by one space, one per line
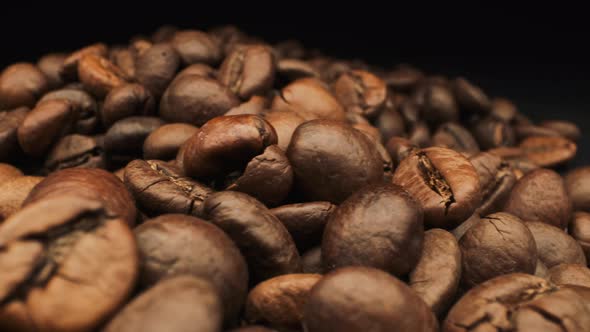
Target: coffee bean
164 142
124 140
198 69
548 151
566 129
554 246
491 133
174 244
99 75
21 84
331 160
124 58
76 251
9 123
420 136
13 192
248 70
125 101
496 179
437 103
84 107
579 229
470 97
444 182
503 110
195 99
177 304
577 184
569 274
390 122
280 301
399 148
156 67
540 196
8 172
262 238
498 244
69 71
361 92
404 78
453 136
344 300
51 65
410 111
518 302
284 124
256 105
524 131
75 151
196 46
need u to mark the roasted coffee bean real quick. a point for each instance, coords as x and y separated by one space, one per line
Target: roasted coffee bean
248 70
8 172
214 150
492 133
548 151
566 129
84 106
51 65
125 101
437 103
195 99
540 196
579 229
268 177
69 71
90 183
344 300
577 184
404 78
124 58
305 221
554 246
198 69
419 135
70 269
518 302
443 182
99 75
410 111
9 123
196 46
175 304
361 92
164 142
124 141
569 274
159 187
175 244
390 123
311 99
256 105
13 192
378 226
438 271
280 301
399 148
262 238
454 136
21 84
155 68
45 125
75 151
331 160
498 244
284 124
524 131
496 179
470 97
503 110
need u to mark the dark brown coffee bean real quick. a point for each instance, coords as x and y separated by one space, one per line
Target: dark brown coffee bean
75 151
84 107
460 230
378 226
63 265
198 69
399 148
125 101
579 229
491 133
305 221
361 92
90 183
175 244
498 244
21 84
518 302
194 99
577 184
438 271
124 140
437 103
262 238
217 150
444 182
311 261
332 160
344 300
51 65
503 110
124 58
156 67
410 111
279 301
268 177
13 192
159 188
284 124
9 123
196 46
69 71
248 70
45 125
566 129
99 75
496 179
164 142
390 122
311 99
8 172
548 151
456 137
554 246
540 196
524 131
569 274
404 78
175 304
470 97
419 135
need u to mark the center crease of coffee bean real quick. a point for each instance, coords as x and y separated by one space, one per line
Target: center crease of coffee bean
184 185
435 180
235 72
76 160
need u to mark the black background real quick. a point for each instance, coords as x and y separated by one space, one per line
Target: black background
538 60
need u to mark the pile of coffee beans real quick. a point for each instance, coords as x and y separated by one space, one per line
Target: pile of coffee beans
210 181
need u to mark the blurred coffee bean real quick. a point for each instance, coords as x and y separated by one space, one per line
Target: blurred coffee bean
124 140
77 151
99 76
21 84
248 70
579 229
496 179
10 121
84 107
554 246
454 136
566 129
69 71
361 92
284 124
51 65
126 101
196 46
13 193
164 142
470 97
